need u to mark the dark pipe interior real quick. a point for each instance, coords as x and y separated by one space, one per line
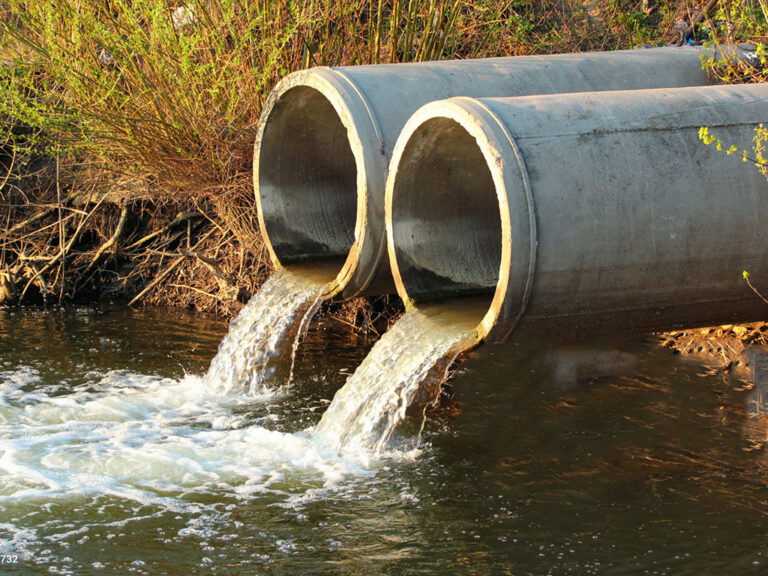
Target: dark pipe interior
307 180
445 212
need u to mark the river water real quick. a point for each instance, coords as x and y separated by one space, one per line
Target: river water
117 457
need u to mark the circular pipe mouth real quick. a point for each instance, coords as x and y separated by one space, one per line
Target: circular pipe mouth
308 165
449 228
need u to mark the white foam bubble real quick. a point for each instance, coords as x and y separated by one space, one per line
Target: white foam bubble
153 440
16 540
12 380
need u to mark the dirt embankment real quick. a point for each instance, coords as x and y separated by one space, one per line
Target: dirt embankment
723 348
83 236
76 236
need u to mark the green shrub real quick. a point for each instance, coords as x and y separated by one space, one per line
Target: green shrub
173 91
733 22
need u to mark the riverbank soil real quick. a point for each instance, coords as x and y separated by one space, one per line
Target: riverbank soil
722 348
76 236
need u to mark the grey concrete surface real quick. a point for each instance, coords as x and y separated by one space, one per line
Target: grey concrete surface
326 136
605 206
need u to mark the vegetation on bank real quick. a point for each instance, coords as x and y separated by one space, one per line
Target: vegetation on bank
126 126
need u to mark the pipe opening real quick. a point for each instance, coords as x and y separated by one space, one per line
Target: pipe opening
307 180
446 222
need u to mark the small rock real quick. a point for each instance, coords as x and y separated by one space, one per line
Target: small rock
7 287
739 331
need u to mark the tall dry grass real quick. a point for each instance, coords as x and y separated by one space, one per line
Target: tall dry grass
172 90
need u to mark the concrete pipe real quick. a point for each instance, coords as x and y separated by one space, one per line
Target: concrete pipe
326 135
593 207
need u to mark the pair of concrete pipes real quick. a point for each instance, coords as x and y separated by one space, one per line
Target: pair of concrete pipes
550 187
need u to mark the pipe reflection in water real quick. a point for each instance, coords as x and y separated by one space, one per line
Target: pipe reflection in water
570 367
756 425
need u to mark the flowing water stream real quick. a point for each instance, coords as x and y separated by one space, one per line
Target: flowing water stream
249 354
118 457
399 378
367 413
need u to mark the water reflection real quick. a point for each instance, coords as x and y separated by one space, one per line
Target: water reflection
756 425
571 367
636 470
65 343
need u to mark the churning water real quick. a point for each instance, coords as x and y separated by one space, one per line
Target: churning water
117 457
123 450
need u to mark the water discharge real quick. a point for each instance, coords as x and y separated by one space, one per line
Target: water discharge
387 393
248 355
396 381
117 457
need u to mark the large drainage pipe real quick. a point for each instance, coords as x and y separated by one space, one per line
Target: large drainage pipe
593 207
326 135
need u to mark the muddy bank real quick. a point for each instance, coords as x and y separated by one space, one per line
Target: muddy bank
76 236
77 233
722 348
80 240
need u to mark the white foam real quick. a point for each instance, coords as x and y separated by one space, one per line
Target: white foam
22 376
154 441
16 540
